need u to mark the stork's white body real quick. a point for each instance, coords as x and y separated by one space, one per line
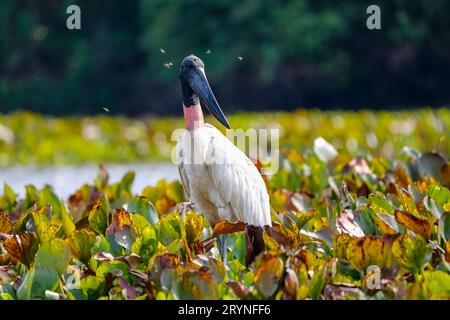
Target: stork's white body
230 190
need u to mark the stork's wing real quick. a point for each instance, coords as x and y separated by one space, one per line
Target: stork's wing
238 181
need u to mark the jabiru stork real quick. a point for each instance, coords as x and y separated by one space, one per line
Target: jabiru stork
228 187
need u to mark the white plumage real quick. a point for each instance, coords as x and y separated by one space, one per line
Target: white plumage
220 180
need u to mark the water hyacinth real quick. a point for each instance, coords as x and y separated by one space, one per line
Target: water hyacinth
358 228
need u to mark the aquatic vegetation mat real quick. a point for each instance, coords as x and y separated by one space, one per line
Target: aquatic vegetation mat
344 227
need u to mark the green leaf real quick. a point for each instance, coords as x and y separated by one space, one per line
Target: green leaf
195 285
444 226
116 268
440 194
171 228
99 215
9 198
31 196
318 282
81 243
24 291
67 222
52 259
175 191
92 287
380 204
48 197
412 253
437 284
46 229
127 182
194 224
139 221
144 207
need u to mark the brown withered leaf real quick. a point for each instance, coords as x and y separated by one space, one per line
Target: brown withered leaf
384 227
363 190
268 276
201 247
4 260
121 220
82 223
275 232
22 247
225 227
447 251
238 289
5 223
402 176
254 243
164 261
369 250
290 285
445 171
131 260
418 225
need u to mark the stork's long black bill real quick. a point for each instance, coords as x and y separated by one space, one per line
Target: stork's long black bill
200 85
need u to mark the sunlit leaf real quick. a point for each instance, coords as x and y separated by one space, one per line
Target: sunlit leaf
387 224
46 228
99 215
346 223
194 224
225 227
31 196
171 228
318 282
92 287
5 223
52 259
195 285
81 243
48 197
411 253
144 207
67 222
418 225
324 150
437 284
366 251
22 247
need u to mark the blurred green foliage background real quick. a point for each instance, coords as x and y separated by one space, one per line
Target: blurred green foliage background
292 53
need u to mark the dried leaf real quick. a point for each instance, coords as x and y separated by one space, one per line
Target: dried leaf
5 223
22 247
225 227
268 276
420 226
290 285
238 289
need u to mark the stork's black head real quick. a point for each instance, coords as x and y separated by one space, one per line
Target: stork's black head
195 85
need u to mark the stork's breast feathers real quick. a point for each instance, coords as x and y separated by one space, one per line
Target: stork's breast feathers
231 174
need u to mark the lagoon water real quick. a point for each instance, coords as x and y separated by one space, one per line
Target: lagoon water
67 179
